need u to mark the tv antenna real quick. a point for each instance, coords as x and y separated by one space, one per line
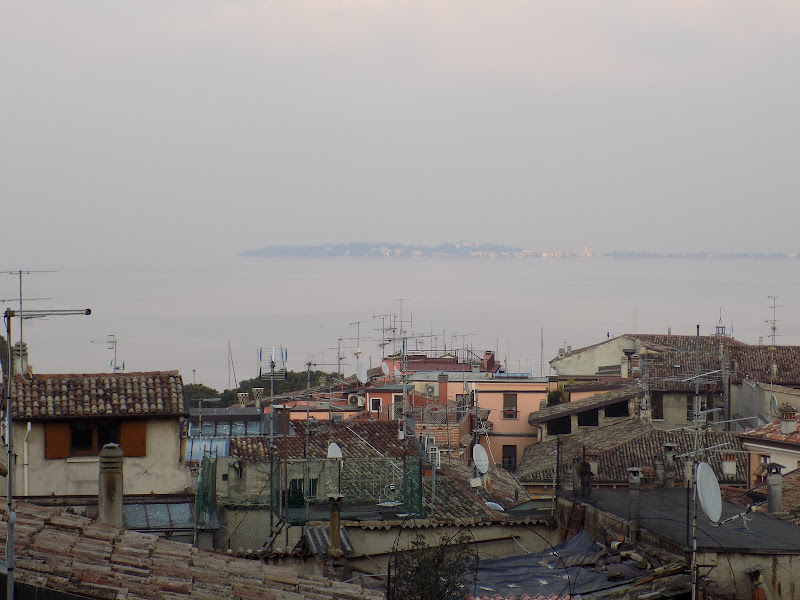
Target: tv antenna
112 345
773 322
19 273
358 337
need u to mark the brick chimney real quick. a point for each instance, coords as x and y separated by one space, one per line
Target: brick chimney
488 360
788 419
443 379
109 499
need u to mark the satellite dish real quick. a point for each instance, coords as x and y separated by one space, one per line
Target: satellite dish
334 451
773 404
385 369
361 372
493 505
481 458
708 492
397 373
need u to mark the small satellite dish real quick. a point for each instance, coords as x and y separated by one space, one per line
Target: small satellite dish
493 505
361 372
481 458
708 492
385 369
334 451
773 404
397 373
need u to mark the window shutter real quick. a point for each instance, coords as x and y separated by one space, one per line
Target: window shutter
56 440
133 438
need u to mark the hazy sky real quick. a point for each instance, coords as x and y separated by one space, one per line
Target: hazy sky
150 131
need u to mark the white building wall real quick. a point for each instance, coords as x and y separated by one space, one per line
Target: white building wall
159 472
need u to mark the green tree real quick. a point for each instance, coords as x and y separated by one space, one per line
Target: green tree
440 572
198 391
296 381
558 396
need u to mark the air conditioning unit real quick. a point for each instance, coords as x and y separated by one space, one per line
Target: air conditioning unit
435 456
427 441
429 389
356 400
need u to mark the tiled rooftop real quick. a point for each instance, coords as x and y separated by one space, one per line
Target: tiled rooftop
357 439
772 433
158 393
458 502
598 400
74 554
755 362
538 460
639 452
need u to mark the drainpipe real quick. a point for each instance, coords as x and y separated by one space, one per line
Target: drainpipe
25 462
634 485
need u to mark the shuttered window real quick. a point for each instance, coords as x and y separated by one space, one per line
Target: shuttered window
133 438
63 439
56 440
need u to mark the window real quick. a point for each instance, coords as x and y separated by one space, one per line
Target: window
462 404
510 458
510 406
589 418
376 404
560 426
297 497
87 438
63 439
620 409
690 406
657 407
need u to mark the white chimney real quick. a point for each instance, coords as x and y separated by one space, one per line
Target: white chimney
788 420
729 465
19 358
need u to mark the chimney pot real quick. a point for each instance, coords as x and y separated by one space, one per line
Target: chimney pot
774 488
109 498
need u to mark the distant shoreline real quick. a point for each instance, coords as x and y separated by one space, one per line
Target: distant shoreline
478 251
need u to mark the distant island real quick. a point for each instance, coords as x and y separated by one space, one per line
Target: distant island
474 250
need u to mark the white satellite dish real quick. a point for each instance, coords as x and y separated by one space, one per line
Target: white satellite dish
397 373
708 492
493 505
361 372
773 404
481 458
385 369
334 451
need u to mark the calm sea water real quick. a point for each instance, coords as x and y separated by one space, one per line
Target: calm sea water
184 318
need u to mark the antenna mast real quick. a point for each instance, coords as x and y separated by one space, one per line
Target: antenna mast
773 322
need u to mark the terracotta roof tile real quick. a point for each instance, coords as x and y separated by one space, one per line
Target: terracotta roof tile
357 439
103 395
772 433
538 460
79 562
